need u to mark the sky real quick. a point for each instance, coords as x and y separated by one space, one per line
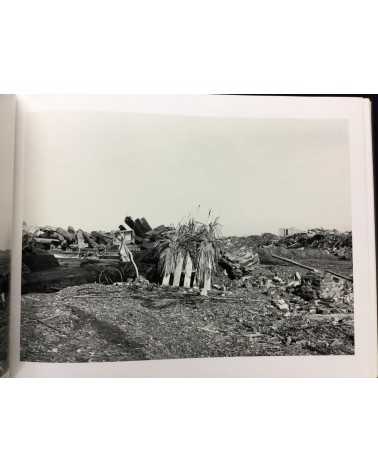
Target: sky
91 169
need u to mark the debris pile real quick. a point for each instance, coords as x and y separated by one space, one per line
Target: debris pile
54 258
252 242
140 227
71 240
239 263
334 242
192 253
267 295
148 240
302 292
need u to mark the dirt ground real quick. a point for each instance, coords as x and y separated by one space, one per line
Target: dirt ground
134 321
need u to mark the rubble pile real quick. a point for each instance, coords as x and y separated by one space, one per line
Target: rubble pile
334 242
243 263
143 231
252 242
239 263
54 257
308 245
268 295
150 238
140 234
316 293
50 238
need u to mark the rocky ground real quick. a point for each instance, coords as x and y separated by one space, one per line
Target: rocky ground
261 315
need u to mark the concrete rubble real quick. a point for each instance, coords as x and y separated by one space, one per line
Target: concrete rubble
242 263
88 305
334 242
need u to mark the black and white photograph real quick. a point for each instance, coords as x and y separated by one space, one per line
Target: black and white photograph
188 206
7 115
4 310
161 236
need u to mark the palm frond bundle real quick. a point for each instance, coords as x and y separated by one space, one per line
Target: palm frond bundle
206 262
192 238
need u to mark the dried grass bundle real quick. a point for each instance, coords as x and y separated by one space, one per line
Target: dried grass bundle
198 240
206 262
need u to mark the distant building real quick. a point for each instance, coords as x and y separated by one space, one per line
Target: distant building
283 232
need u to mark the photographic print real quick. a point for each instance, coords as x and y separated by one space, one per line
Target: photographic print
4 309
7 116
152 236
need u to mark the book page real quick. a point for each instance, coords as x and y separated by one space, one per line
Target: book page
196 236
7 128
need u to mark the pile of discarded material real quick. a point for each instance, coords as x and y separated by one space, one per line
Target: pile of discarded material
313 292
296 287
239 263
192 255
57 238
254 241
54 258
145 236
334 242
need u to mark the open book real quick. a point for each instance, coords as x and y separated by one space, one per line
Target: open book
187 236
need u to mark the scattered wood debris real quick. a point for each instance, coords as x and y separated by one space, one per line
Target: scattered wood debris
268 295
